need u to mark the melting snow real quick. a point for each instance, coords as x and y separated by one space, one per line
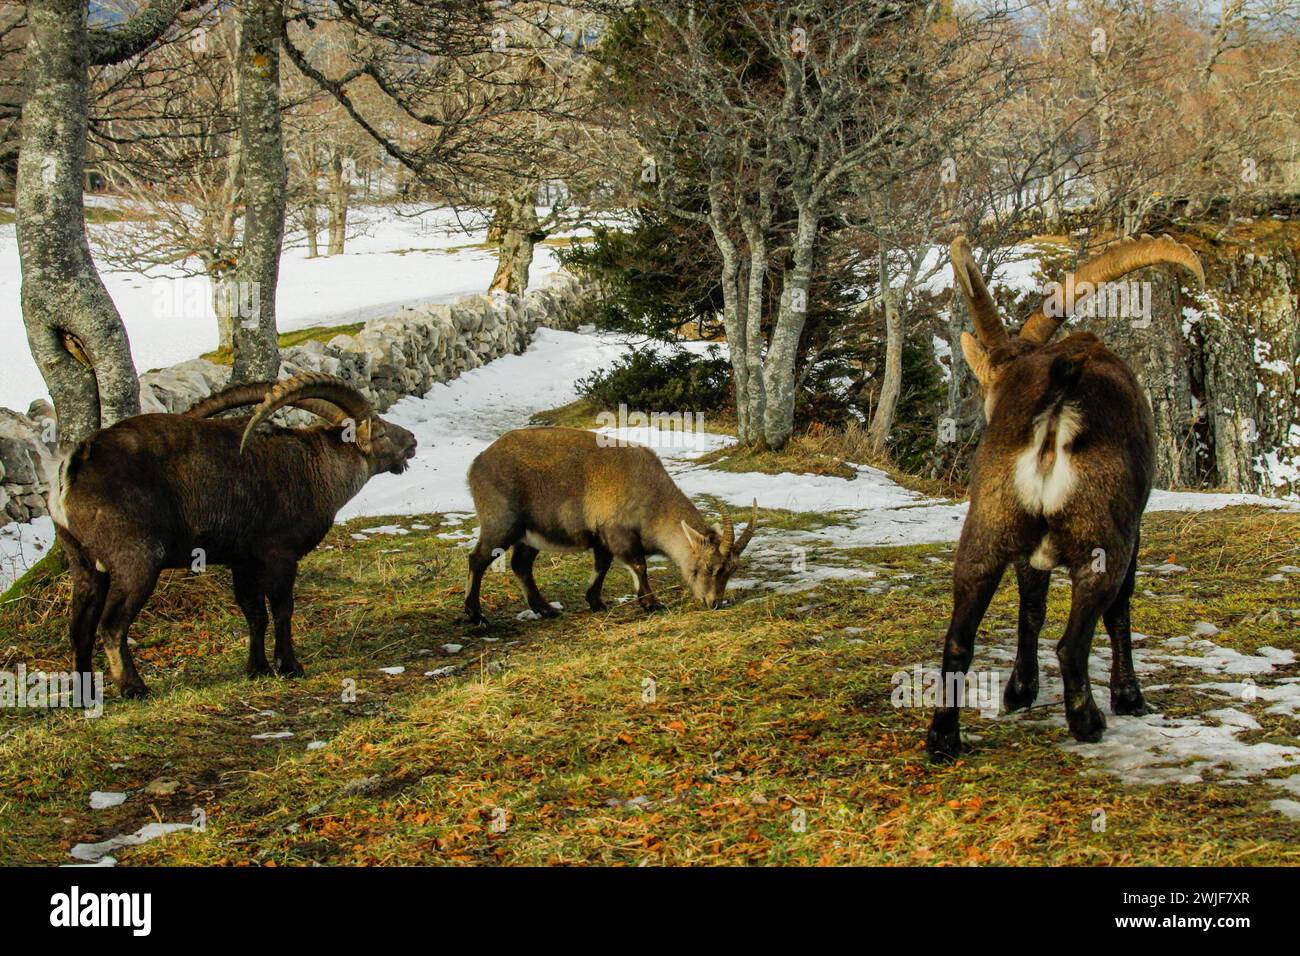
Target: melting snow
99 852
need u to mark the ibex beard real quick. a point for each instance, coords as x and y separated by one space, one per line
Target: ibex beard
1060 479
176 491
563 489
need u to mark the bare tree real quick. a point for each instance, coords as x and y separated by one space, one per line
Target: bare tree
764 121
483 104
73 327
264 177
170 147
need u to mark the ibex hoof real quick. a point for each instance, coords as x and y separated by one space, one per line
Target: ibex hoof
1018 696
135 691
1128 702
943 746
1086 724
290 669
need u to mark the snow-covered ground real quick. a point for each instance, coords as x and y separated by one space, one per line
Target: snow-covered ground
401 260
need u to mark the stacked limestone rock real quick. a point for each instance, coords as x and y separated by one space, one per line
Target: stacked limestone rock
390 358
25 461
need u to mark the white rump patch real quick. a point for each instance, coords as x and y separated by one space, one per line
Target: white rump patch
1045 489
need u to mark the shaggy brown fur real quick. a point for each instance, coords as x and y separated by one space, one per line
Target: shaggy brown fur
558 489
1060 479
174 491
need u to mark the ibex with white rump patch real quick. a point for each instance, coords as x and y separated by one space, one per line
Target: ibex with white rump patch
559 489
1061 478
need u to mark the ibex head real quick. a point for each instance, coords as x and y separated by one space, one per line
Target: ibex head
714 556
387 447
990 351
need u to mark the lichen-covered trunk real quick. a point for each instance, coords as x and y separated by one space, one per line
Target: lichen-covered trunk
518 231
66 309
257 355
882 422
733 324
783 349
755 398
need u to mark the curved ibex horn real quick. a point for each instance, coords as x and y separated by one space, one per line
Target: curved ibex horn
252 393
983 310
729 543
316 385
749 529
1118 259
728 530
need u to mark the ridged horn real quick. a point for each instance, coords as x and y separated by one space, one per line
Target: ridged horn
1118 259
749 529
252 393
315 385
235 396
728 530
729 543
983 310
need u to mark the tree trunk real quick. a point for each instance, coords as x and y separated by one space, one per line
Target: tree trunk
310 215
73 327
338 200
519 230
224 303
756 279
882 422
257 354
783 352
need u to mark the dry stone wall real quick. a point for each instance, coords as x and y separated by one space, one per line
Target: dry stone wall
402 354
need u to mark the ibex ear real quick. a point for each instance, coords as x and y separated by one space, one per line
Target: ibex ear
693 538
977 357
363 436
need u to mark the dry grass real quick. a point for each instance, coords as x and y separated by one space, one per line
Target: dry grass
769 739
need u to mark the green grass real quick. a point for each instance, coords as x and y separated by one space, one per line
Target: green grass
319 333
753 724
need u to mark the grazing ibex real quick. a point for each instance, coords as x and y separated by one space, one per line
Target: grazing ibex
1061 478
180 491
559 489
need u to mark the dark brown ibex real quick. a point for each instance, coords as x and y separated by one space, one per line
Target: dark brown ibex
171 491
560 489
1061 478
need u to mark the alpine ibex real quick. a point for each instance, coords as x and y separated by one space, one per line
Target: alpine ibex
559 489
179 491
1060 478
